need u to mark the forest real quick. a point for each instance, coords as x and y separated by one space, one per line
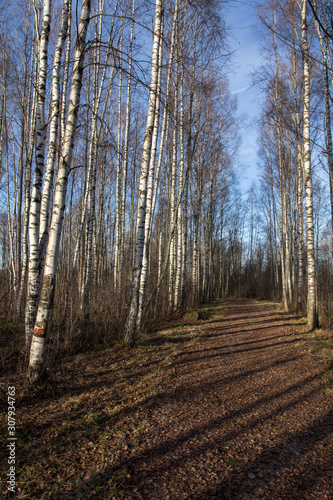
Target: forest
120 200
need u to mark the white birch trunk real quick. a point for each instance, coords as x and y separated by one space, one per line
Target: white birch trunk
181 209
35 205
311 271
26 209
159 271
86 191
300 227
119 170
130 327
37 369
287 224
328 132
165 120
66 74
151 181
98 251
281 183
173 188
126 145
299 182
164 268
9 225
54 126
92 173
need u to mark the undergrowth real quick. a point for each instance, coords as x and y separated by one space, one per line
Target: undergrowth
72 428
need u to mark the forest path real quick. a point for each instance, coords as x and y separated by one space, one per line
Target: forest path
245 416
228 407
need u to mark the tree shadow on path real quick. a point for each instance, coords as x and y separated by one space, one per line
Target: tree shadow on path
245 417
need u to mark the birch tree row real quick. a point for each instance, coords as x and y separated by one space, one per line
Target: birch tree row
296 150
118 145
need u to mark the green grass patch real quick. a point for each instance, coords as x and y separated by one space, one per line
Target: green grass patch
233 463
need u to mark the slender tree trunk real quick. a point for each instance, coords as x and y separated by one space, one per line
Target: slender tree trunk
34 216
131 322
181 247
54 126
173 188
329 142
311 271
63 108
92 169
119 172
93 152
152 179
281 186
299 182
37 368
126 145
300 227
26 209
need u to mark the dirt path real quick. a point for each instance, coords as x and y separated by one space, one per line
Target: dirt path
238 413
245 417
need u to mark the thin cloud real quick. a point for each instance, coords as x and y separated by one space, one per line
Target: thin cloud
240 90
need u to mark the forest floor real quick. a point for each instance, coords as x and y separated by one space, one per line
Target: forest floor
233 403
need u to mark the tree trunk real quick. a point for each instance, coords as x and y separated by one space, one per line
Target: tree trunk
37 368
34 216
131 322
311 271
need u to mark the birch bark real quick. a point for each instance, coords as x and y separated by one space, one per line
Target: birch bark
152 179
92 173
329 142
181 247
130 326
281 181
173 188
94 135
311 272
34 216
37 368
119 168
54 126
126 145
299 180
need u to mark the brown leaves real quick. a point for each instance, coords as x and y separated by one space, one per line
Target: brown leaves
238 414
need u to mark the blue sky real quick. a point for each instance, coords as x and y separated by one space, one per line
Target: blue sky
241 20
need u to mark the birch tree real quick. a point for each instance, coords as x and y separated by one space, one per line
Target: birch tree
35 206
311 271
130 326
37 369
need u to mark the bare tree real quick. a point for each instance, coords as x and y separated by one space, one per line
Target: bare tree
37 368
